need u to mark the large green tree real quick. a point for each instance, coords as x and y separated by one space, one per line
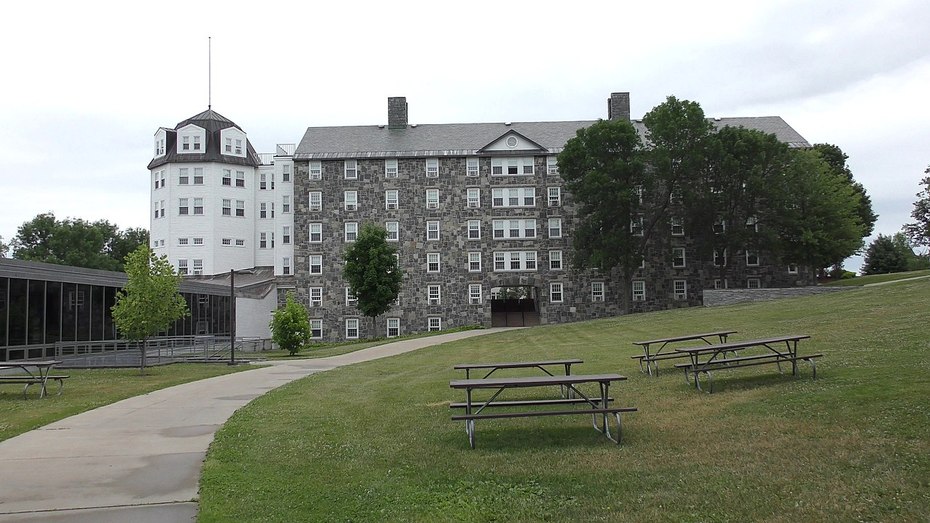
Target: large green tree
883 257
918 231
150 301
76 242
290 326
372 271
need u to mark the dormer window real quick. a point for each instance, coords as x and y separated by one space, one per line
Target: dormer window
512 166
185 143
238 146
160 147
196 140
229 145
191 139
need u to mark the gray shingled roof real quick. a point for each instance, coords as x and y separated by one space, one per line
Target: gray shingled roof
374 141
213 122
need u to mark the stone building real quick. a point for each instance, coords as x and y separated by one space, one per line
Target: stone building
477 212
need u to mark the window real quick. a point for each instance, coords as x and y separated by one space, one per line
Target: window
597 291
155 208
474 261
316 329
238 146
720 258
432 231
286 204
198 241
555 260
513 197
471 167
315 170
720 226
434 323
262 182
555 196
753 283
393 327
240 178
263 240
285 265
286 172
183 177
507 261
351 200
678 228
555 227
752 258
678 257
226 241
228 145
240 207
433 294
792 268
390 169
262 210
473 197
227 177
474 229
512 166
161 209
286 235
508 229
752 224
227 207
474 293
351 328
351 231
316 201
390 199
197 143
198 267
182 206
636 225
432 262
638 194
316 264
639 290
198 175
185 143
182 241
351 298
316 296
316 232
721 284
393 231
680 288
351 169
432 167
159 147
552 165
241 243
555 292
182 266
432 198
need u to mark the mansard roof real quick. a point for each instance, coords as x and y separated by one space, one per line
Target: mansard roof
213 123
466 139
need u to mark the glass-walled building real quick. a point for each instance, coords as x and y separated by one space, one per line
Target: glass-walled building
43 304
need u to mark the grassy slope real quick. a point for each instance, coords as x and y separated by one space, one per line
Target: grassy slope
878 278
374 441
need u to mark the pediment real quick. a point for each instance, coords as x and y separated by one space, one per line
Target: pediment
512 141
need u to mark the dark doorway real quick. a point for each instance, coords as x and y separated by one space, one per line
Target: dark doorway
514 306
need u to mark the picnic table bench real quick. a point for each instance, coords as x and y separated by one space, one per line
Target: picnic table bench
596 405
781 349
649 360
541 365
31 373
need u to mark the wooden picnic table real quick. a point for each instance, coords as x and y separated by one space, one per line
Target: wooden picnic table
541 365
595 405
649 360
780 349
32 372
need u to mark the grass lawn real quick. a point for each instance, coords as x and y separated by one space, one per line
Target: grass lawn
878 278
374 441
89 389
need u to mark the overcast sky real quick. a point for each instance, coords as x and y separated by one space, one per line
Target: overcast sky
86 84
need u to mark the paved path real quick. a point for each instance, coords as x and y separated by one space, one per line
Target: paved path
139 459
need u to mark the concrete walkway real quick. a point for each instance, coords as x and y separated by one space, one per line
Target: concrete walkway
139 459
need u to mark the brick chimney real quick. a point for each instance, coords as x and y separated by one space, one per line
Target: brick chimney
397 112
618 106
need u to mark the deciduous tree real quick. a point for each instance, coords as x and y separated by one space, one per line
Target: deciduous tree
883 257
4 248
290 326
372 272
918 232
150 301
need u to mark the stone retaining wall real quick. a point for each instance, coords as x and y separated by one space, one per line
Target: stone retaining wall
716 298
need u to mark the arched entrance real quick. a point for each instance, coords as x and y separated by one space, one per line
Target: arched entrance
514 306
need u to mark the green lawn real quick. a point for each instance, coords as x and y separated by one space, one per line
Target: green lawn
89 389
375 441
878 278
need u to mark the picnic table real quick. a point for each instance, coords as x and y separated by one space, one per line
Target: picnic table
37 372
594 405
541 365
780 349
649 360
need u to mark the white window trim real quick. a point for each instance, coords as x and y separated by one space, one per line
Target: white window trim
598 295
350 169
639 290
560 260
552 292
